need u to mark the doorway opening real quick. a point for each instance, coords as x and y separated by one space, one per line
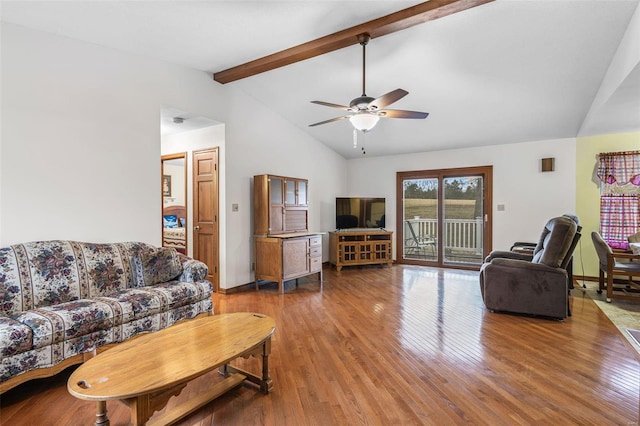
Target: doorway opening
184 136
174 201
444 217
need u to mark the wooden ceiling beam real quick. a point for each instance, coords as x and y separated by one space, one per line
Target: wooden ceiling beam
388 24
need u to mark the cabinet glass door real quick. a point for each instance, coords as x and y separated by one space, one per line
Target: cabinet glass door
275 190
302 193
276 206
290 192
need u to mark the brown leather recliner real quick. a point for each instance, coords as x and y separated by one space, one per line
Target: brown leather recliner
533 284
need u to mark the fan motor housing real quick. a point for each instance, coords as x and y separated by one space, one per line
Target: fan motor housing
361 102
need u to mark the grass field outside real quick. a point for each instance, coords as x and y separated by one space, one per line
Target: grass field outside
428 208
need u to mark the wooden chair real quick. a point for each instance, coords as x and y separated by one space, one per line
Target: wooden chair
617 263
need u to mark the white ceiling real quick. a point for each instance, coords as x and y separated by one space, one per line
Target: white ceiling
504 72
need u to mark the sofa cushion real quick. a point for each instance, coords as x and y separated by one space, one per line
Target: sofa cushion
11 294
176 293
15 337
133 303
53 324
103 267
157 267
52 274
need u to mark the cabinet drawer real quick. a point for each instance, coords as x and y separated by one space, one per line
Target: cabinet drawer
315 264
315 241
315 251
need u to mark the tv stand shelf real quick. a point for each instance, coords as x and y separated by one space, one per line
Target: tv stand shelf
360 247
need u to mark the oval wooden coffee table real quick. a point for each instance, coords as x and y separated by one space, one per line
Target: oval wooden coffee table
145 372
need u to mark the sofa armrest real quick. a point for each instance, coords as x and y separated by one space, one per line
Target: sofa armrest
193 270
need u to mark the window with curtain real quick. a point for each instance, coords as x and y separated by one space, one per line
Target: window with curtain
619 174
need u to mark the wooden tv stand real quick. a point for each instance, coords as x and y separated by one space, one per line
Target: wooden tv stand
360 247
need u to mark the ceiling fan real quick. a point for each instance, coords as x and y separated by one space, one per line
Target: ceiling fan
365 111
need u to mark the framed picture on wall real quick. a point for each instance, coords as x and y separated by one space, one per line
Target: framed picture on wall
166 185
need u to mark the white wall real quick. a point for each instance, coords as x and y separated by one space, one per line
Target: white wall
530 197
177 190
80 143
260 147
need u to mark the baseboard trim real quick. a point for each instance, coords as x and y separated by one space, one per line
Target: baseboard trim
238 289
585 278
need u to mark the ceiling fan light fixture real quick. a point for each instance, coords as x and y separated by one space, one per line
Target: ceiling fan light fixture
364 121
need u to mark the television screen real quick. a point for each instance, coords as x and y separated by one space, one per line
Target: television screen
359 212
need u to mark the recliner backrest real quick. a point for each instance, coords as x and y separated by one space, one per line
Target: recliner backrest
574 243
555 242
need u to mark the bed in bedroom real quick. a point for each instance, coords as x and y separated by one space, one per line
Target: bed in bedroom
174 229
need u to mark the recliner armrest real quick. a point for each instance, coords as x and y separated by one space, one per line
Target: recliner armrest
497 254
520 266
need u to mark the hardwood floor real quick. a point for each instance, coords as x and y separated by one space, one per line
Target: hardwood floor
399 346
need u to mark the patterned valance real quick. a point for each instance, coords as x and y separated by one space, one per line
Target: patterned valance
619 167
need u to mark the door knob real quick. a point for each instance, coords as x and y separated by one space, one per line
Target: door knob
196 228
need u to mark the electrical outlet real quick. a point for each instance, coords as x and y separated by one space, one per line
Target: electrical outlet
500 207
234 207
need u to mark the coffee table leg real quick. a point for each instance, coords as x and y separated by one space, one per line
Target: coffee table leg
265 383
101 415
224 370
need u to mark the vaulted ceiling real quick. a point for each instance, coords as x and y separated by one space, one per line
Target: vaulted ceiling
503 72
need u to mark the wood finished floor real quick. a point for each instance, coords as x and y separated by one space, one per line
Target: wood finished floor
399 346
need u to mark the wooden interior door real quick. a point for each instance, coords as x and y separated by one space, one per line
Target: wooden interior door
205 212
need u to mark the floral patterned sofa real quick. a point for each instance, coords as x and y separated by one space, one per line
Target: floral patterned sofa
62 300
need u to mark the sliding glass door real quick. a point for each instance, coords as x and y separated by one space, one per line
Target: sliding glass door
444 217
420 218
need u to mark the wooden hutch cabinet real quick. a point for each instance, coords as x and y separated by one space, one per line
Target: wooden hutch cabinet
280 205
284 247
362 247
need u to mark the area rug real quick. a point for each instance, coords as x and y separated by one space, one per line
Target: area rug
624 314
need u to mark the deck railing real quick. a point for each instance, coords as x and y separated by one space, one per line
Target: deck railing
458 234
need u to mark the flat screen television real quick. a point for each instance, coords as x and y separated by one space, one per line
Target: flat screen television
360 212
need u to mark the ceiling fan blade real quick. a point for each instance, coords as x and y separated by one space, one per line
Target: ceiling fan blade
330 120
396 113
329 104
387 99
